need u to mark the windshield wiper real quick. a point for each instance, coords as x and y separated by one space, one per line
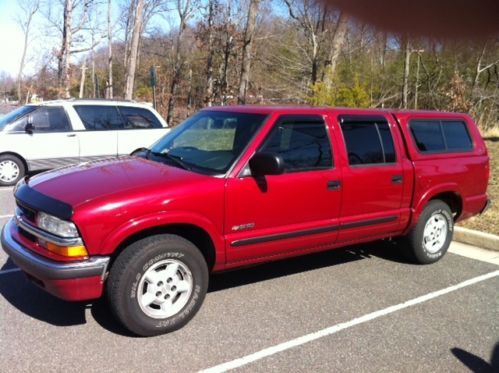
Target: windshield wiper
176 159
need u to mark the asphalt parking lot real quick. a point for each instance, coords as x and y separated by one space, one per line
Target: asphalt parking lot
356 309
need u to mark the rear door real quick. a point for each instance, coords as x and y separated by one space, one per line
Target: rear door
373 181
141 129
295 211
100 137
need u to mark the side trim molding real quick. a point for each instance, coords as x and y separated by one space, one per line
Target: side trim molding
307 232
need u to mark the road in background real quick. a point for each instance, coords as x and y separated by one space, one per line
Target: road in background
249 310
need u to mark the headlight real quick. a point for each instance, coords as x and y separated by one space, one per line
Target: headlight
56 226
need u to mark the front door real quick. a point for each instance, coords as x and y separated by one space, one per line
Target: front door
292 212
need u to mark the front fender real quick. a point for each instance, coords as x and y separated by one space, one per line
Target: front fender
141 223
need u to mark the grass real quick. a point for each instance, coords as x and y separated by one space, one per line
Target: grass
489 222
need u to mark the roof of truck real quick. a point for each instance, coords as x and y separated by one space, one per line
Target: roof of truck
296 109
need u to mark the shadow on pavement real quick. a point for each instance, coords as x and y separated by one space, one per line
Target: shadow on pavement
477 364
34 302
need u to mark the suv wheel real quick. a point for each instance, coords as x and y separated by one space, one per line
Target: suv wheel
429 240
157 284
11 170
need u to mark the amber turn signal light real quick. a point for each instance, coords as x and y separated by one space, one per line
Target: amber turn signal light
69 251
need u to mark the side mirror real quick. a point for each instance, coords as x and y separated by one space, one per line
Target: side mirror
262 164
29 125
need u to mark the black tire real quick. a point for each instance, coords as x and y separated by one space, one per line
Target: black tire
124 283
415 241
4 181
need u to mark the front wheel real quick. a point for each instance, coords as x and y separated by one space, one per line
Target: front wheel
11 170
429 240
157 284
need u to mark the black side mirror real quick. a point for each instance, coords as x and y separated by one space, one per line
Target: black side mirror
262 164
29 124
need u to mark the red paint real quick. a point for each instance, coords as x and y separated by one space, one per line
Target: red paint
114 200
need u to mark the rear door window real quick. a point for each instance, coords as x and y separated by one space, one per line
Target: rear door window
100 118
138 118
368 140
440 136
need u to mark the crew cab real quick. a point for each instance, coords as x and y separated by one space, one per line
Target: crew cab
234 186
59 133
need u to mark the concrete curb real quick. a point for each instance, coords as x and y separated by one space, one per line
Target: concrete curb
476 238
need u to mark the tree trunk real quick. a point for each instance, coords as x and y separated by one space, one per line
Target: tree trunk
134 50
63 73
337 43
407 61
109 91
209 62
21 65
247 46
183 12
82 80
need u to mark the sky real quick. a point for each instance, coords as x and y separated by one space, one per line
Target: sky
11 38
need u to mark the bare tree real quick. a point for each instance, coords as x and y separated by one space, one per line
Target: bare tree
28 10
247 46
184 9
336 45
212 8
407 65
311 16
134 50
109 91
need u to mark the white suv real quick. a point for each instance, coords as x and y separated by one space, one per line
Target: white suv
58 133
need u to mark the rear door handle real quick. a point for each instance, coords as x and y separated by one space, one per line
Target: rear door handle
397 179
71 135
333 185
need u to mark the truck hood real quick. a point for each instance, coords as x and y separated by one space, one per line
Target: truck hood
83 183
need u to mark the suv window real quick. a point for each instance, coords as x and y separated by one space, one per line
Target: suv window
138 118
302 142
368 140
100 118
47 119
440 136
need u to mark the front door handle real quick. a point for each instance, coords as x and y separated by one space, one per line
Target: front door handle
397 179
71 135
333 185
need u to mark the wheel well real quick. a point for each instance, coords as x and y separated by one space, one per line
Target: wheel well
453 200
18 156
192 233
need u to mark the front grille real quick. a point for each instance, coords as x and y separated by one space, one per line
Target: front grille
27 235
27 212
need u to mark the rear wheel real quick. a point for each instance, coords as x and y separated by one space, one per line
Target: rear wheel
157 284
11 170
429 240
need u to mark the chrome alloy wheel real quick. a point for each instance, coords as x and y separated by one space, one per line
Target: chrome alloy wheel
9 171
435 233
165 288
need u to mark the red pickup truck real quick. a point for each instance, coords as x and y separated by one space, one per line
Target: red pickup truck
234 186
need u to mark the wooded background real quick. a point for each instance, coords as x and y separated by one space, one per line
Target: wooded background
220 52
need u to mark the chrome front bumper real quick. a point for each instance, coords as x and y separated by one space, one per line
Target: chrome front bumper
44 268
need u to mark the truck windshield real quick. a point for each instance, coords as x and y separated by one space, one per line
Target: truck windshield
208 142
14 115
